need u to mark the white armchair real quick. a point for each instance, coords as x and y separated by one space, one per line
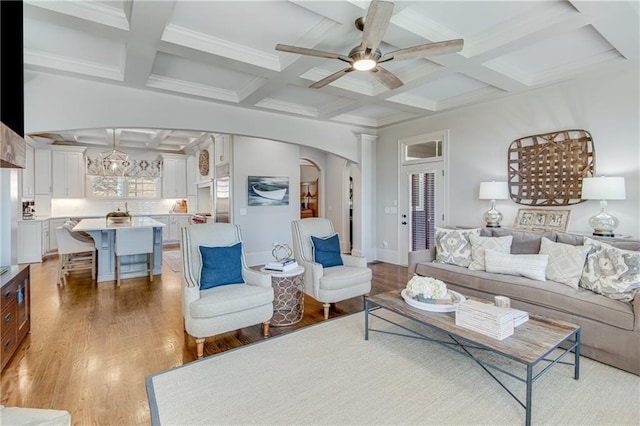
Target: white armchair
332 284
222 308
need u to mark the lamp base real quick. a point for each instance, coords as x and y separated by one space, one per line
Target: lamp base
492 225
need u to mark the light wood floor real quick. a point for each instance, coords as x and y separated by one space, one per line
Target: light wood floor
91 347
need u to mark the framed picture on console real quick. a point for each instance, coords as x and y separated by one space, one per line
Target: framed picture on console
542 220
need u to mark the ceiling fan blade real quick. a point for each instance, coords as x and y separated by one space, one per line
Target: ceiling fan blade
422 50
376 23
331 78
386 77
311 52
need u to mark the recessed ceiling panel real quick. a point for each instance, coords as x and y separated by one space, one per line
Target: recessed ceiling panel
471 17
554 52
63 41
255 24
184 69
447 87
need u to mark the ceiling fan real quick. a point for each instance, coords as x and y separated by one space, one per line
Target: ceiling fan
367 57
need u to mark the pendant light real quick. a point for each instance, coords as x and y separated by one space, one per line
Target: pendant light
114 162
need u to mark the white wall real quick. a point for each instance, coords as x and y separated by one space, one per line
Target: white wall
480 136
264 225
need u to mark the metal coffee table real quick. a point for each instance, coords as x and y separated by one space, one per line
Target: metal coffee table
532 344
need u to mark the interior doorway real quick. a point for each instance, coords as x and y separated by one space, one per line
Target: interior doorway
309 189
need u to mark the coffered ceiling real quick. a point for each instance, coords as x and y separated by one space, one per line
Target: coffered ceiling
224 52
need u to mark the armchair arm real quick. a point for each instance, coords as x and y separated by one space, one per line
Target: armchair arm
312 273
354 261
419 256
256 278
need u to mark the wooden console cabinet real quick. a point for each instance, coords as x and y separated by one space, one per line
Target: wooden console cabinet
15 304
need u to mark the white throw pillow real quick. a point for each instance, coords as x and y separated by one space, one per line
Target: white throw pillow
480 244
531 266
566 262
453 246
611 271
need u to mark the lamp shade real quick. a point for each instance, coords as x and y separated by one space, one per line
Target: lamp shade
603 188
494 191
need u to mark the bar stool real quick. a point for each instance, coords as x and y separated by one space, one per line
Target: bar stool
75 253
133 241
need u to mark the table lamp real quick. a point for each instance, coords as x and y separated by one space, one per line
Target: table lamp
603 188
493 191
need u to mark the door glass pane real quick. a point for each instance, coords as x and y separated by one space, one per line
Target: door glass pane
422 220
423 150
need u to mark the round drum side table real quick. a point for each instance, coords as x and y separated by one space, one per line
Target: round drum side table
288 301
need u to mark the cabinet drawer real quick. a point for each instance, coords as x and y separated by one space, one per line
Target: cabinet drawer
8 347
8 295
8 320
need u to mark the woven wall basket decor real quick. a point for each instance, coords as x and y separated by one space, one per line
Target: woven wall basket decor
547 169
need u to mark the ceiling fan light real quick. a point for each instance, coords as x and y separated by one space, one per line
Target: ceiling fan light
364 64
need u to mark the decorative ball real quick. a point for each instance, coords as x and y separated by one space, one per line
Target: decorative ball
281 252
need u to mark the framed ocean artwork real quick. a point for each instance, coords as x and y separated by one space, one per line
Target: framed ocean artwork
268 191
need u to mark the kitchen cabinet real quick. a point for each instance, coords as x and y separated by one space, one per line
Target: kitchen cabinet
30 241
173 222
223 150
42 172
192 178
15 304
67 177
28 174
45 238
174 176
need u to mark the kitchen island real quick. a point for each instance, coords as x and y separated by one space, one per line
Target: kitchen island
103 233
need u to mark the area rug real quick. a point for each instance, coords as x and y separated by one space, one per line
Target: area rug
173 259
327 374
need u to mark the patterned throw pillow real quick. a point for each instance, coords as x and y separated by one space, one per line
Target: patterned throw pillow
610 271
480 244
453 246
527 265
566 261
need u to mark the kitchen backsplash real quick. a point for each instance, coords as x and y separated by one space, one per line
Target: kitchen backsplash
90 207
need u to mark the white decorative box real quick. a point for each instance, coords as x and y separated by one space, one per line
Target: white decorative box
486 319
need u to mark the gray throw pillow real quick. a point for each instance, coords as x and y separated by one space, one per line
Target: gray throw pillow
453 246
480 244
566 261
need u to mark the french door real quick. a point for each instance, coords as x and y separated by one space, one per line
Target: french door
422 191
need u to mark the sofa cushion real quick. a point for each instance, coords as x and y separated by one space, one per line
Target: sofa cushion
524 242
527 265
549 294
480 244
453 245
566 261
610 271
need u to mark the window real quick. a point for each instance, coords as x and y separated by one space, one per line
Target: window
122 187
422 148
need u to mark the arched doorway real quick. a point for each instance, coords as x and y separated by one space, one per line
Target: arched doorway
309 189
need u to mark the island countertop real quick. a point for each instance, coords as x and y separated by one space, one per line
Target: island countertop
103 224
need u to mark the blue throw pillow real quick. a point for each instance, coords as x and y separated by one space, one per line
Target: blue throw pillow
326 250
221 266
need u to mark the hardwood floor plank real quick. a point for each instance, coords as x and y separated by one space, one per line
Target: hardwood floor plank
92 346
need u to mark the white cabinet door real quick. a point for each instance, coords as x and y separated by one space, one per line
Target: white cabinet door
45 237
28 174
165 230
192 171
174 177
30 242
42 172
67 174
223 150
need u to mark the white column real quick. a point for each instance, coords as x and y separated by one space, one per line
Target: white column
364 199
